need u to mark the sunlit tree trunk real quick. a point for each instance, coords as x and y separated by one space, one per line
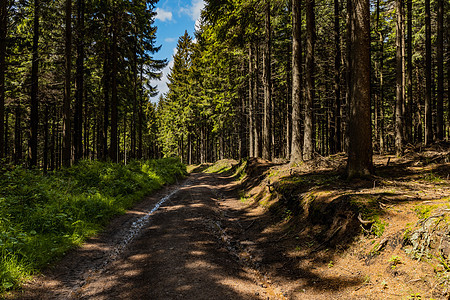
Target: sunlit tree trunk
428 108
440 71
267 122
308 135
296 148
399 80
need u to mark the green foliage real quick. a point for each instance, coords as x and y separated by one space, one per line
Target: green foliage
41 217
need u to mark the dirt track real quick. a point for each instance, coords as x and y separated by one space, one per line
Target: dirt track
182 252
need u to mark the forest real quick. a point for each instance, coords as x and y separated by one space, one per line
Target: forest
283 79
272 79
74 81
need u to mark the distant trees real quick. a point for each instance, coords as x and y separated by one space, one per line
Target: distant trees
322 97
66 95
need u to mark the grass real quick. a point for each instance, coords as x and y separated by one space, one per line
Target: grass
41 217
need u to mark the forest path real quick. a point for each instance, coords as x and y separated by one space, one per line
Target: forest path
182 250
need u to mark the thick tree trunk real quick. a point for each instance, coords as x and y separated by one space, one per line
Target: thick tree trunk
296 147
399 80
3 34
267 121
360 131
428 107
79 92
34 117
67 143
440 72
308 137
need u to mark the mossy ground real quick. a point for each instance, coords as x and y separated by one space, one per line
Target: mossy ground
313 216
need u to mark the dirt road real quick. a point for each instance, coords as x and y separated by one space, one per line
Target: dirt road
181 250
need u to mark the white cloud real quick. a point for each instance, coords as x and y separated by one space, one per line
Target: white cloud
163 15
170 40
194 9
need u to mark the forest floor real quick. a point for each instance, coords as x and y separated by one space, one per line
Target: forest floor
265 230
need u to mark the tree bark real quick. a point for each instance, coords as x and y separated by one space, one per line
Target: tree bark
34 117
428 108
257 106
79 92
360 131
106 86
296 147
113 151
409 68
440 71
3 35
399 80
46 116
308 136
336 130
251 100
67 143
267 122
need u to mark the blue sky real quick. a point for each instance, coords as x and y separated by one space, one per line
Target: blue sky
173 18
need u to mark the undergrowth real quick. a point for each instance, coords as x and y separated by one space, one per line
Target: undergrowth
41 217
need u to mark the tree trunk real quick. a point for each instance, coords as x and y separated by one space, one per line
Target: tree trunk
308 137
440 72
53 139
428 107
399 80
250 101
67 145
34 117
79 92
140 116
257 106
360 131
113 154
3 34
409 87
106 86
46 116
336 129
18 135
135 100
296 147
267 122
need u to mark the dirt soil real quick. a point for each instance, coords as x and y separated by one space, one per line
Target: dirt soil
182 252
218 238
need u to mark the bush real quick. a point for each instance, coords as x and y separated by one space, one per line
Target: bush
41 217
